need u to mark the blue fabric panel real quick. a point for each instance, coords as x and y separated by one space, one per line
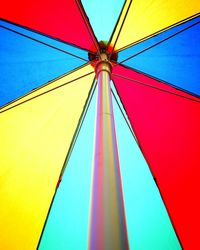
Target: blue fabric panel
175 61
26 64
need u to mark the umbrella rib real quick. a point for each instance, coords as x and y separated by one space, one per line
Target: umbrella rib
160 80
154 45
157 88
36 40
160 31
125 118
79 126
74 139
121 27
45 35
116 24
43 86
45 92
87 24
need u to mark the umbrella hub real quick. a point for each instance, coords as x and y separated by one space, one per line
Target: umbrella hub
101 60
103 64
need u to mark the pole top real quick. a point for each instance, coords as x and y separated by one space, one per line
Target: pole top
103 64
102 60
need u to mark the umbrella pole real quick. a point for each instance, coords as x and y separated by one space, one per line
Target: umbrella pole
107 222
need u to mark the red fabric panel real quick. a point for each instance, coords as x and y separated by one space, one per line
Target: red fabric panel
168 131
60 19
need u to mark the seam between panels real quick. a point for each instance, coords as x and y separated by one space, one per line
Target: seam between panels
122 112
112 34
121 26
154 45
45 92
159 80
43 34
87 24
159 31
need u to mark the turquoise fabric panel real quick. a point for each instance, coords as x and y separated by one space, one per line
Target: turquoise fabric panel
105 17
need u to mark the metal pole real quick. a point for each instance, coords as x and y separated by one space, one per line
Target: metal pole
107 223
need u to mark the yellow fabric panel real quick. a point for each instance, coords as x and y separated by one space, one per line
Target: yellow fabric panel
147 17
34 139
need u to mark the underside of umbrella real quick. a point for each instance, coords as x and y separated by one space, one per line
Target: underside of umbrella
99 124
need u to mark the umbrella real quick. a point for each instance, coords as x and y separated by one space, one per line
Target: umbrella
138 188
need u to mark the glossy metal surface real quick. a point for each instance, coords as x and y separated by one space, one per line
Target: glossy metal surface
108 223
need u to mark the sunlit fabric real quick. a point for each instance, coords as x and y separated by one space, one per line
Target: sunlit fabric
50 63
27 64
148 223
176 60
167 127
35 137
58 19
147 44
146 18
104 20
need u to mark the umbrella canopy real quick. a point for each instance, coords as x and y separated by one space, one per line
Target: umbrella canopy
49 52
